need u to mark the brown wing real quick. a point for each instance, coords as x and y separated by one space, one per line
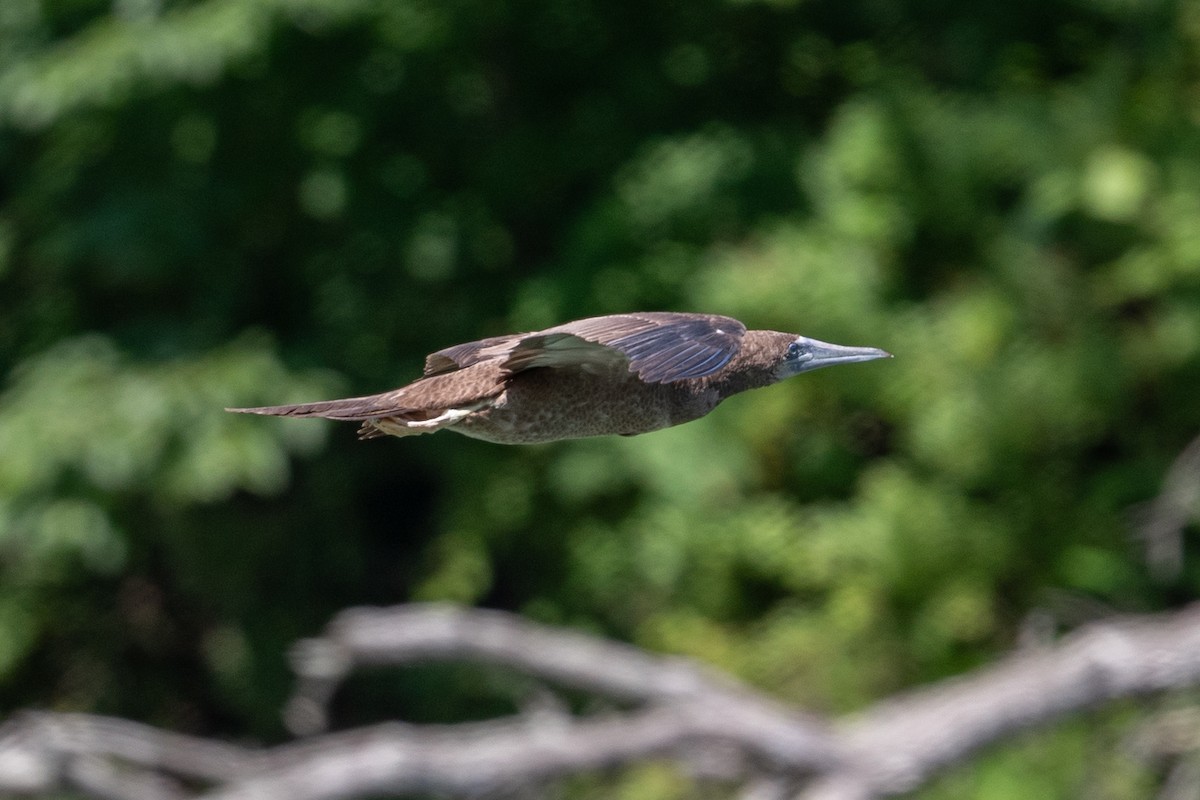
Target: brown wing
347 408
455 389
660 347
464 355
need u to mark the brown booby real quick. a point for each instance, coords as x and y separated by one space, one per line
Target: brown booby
619 374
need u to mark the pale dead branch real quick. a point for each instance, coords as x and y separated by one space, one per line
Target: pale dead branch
1161 522
676 709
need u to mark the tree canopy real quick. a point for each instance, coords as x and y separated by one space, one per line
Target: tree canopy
211 203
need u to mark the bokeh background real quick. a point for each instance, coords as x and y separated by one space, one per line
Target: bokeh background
211 203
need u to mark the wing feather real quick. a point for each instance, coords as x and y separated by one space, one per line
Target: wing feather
456 389
660 347
461 356
348 408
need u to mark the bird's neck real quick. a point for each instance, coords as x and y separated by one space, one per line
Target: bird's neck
734 381
754 366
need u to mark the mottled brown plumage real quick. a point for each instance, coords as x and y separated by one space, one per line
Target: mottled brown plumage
621 374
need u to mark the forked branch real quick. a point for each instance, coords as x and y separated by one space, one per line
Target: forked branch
678 709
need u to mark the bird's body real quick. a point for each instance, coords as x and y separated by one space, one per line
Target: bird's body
620 374
585 405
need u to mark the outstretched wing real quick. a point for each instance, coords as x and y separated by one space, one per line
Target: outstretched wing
426 396
660 347
461 356
347 408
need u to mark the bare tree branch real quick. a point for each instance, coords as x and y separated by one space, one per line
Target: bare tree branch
41 750
409 634
1164 518
682 711
467 760
901 742
367 637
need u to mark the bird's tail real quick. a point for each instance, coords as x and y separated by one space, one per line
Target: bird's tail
350 408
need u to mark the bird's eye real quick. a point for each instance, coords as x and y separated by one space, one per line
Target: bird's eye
793 351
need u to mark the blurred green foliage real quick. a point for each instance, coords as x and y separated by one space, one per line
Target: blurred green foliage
231 202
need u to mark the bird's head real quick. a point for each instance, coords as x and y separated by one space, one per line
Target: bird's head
801 354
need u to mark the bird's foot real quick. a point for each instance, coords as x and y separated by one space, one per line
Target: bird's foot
401 426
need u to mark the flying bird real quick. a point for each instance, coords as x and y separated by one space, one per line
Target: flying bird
620 374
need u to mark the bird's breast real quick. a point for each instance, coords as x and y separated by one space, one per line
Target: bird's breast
545 405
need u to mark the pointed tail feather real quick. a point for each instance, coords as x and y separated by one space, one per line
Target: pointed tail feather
350 408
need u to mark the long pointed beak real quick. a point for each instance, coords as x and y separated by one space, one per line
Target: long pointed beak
817 354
